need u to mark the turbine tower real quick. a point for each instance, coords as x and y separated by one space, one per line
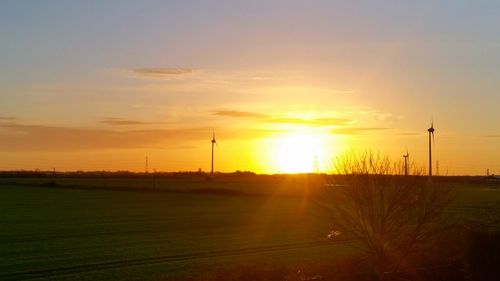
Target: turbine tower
213 143
431 132
406 157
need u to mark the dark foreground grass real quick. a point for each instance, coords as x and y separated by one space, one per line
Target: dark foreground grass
68 234
76 231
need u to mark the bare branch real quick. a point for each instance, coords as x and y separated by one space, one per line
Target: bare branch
390 214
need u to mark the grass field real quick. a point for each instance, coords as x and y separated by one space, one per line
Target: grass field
60 233
97 229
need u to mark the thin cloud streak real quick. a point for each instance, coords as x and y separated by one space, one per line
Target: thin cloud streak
19 137
114 121
266 118
162 73
314 121
238 114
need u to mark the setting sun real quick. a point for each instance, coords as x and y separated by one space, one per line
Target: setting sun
298 152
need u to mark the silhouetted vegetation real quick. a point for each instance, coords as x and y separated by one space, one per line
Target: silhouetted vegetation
392 217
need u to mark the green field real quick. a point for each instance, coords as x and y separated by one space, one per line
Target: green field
60 233
107 229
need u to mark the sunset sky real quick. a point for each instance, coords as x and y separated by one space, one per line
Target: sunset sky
100 85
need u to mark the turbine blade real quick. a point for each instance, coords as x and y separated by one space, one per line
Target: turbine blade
433 143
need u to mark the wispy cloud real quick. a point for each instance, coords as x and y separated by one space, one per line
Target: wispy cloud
114 121
239 114
19 137
162 73
493 136
311 121
267 118
7 118
356 130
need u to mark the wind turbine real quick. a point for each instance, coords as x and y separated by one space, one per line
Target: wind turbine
406 157
214 142
431 132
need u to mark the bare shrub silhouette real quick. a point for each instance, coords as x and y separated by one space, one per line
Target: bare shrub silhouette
392 216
